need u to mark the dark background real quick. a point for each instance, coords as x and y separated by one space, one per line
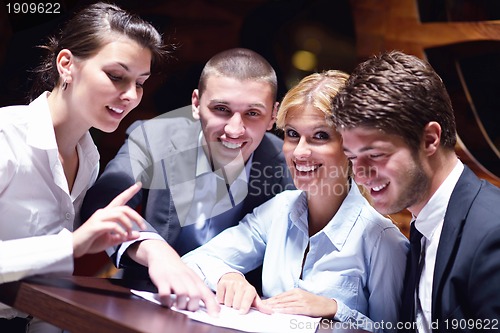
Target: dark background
296 36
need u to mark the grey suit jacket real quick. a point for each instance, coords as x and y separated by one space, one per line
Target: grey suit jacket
161 153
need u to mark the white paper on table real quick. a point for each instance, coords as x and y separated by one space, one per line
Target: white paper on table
253 321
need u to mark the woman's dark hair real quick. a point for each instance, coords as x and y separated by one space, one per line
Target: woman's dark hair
91 29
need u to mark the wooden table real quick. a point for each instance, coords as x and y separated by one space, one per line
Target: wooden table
88 304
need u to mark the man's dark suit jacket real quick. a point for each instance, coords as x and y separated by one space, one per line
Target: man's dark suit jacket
466 283
161 153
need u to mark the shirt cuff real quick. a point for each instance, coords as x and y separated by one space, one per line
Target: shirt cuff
125 245
24 257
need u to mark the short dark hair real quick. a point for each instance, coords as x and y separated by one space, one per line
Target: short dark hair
241 64
88 31
399 94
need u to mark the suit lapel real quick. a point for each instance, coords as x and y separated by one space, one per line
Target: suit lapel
259 176
181 169
460 201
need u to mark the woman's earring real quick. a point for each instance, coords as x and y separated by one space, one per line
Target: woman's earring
64 85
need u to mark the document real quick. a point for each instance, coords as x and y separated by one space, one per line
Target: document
253 321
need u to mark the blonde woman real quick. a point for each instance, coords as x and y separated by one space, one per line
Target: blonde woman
325 251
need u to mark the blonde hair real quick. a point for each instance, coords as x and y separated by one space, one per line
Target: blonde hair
316 90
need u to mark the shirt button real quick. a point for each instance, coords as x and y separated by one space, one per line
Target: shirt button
68 216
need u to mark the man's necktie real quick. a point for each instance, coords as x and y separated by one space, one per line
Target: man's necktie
413 271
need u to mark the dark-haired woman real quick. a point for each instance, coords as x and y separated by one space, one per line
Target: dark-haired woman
93 76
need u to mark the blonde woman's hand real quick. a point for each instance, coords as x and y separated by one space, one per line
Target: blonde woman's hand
235 291
109 226
301 302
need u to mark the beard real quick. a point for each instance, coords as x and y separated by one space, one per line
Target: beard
414 189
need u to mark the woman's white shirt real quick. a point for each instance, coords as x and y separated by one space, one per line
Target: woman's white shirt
37 211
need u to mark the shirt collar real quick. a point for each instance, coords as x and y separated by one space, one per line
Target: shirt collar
203 163
338 228
88 157
41 130
41 133
87 151
298 212
431 216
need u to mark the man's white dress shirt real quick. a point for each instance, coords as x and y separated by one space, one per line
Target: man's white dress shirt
430 224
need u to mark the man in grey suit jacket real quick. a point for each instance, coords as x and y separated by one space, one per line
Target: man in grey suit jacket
399 132
200 176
